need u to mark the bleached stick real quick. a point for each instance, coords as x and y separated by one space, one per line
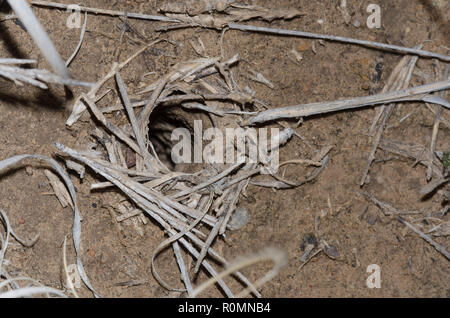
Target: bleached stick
30 291
401 83
16 61
36 77
418 93
80 42
208 182
40 37
15 161
131 15
182 266
134 124
79 107
437 121
142 200
277 256
371 44
441 249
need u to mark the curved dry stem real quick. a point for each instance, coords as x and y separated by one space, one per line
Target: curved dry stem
75 52
18 161
9 229
66 271
13 281
30 291
6 240
268 254
168 242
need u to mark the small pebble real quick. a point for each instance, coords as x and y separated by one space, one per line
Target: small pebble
331 251
239 219
303 46
29 170
371 219
356 23
21 221
380 179
365 86
42 184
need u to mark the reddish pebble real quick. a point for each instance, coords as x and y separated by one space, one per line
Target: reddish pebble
21 221
303 46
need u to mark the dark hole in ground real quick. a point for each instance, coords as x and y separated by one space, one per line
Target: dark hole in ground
163 121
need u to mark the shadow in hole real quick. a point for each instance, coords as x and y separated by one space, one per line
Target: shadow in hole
162 122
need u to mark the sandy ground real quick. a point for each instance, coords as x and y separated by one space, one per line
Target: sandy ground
32 120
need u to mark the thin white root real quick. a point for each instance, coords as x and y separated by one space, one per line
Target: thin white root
268 254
